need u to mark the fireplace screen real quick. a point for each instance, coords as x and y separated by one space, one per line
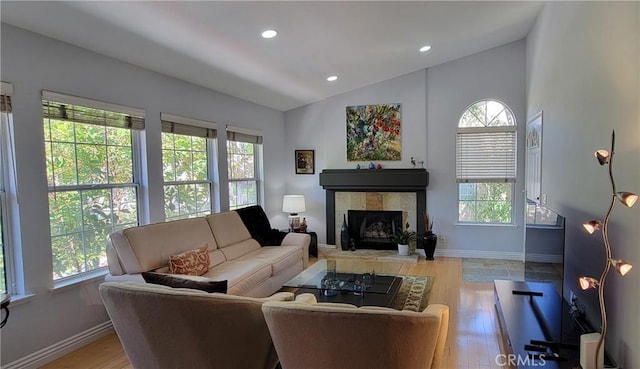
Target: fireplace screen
374 229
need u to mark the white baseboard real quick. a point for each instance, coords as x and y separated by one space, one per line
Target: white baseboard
479 254
59 349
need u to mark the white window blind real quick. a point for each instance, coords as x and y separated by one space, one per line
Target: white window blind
188 126
486 154
244 135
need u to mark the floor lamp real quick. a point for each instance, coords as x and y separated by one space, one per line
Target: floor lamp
622 267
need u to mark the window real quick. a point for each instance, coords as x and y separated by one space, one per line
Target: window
187 155
5 117
486 163
91 164
243 155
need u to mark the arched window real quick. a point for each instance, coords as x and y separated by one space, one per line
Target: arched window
486 163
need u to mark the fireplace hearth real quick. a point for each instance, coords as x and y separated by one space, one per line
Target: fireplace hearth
374 229
373 181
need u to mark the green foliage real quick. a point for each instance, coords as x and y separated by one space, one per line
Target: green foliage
82 219
243 184
485 202
404 236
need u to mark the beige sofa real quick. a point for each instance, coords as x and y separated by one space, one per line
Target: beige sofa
167 328
234 256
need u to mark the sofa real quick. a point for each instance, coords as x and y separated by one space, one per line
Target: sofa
333 335
166 328
250 269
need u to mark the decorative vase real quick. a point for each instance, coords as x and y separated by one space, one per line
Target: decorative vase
344 234
372 166
403 250
429 241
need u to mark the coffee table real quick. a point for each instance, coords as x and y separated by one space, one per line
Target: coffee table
357 282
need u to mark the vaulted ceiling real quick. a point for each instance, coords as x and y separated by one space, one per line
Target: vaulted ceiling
217 44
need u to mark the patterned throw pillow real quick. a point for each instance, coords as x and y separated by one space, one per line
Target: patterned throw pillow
192 262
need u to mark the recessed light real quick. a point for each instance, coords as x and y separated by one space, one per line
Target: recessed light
332 78
270 33
425 48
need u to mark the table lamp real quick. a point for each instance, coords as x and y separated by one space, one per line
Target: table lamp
293 204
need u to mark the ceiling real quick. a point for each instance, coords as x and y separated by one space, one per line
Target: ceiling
218 44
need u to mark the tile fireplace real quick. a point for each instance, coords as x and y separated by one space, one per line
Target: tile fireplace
402 191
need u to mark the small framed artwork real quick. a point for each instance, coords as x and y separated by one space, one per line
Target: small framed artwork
305 162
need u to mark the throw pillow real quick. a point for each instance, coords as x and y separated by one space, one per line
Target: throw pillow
175 282
192 262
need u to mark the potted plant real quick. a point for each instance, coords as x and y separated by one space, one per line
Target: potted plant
403 237
429 239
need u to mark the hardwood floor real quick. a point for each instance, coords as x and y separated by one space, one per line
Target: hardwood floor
473 342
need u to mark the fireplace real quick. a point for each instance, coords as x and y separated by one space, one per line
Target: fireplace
374 229
402 190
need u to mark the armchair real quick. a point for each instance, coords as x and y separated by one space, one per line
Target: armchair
344 336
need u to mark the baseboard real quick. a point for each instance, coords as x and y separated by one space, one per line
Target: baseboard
59 349
479 254
544 258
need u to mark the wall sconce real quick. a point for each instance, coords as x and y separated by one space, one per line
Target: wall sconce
621 266
293 204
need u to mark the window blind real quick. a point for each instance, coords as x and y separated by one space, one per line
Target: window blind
244 135
486 155
81 110
5 97
188 126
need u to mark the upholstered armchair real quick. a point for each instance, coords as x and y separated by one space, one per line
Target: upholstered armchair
329 335
167 328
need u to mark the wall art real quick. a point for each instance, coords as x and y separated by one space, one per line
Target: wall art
373 132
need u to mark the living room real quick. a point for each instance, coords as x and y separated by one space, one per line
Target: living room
578 64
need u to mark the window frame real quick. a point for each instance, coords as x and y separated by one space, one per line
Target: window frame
511 180
134 185
6 208
247 136
211 149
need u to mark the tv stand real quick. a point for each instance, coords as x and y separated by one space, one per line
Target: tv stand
530 315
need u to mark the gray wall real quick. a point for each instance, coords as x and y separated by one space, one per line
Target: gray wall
497 74
432 102
583 63
32 63
322 126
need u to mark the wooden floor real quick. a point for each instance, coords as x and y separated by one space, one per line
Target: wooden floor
474 339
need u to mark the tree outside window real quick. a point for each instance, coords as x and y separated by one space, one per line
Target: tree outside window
90 173
243 174
187 188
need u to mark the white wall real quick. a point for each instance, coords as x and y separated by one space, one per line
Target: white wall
498 74
583 63
31 63
322 126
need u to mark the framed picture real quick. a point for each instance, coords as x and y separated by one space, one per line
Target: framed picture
305 162
373 132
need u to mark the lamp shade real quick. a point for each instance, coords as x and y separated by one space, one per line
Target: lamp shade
293 204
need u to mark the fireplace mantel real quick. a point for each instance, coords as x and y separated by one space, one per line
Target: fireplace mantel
373 180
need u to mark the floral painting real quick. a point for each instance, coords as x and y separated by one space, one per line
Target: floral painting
373 132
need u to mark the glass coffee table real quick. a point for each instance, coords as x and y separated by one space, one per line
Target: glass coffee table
357 282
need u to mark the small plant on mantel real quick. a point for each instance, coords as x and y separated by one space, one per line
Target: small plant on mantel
404 236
